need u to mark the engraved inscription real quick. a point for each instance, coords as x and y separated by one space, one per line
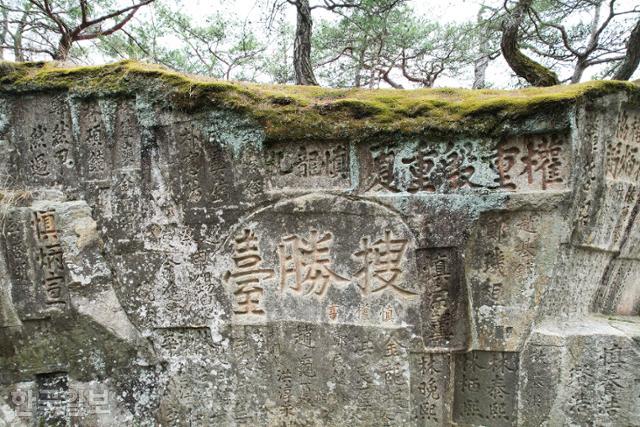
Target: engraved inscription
325 165
48 143
431 388
50 257
248 274
304 267
189 137
381 261
16 249
93 139
440 302
486 388
445 308
532 162
443 167
603 375
306 262
623 158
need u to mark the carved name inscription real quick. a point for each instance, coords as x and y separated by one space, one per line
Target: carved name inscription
95 153
35 258
430 388
18 256
189 139
532 162
50 257
444 297
174 341
597 387
623 156
503 260
381 264
46 142
486 388
308 165
127 137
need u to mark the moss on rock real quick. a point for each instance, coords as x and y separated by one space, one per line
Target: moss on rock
302 112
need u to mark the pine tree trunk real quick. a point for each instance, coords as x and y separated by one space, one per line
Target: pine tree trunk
64 47
525 67
18 52
302 46
632 58
480 72
5 31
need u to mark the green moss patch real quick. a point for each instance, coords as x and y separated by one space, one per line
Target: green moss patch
302 112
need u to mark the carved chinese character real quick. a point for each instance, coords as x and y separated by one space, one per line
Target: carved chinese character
504 162
384 167
495 290
543 157
494 260
498 389
612 356
441 325
51 257
420 167
305 366
503 363
497 410
307 262
382 260
528 223
458 175
428 365
54 286
285 379
338 166
427 411
470 382
393 375
392 348
45 226
363 311
429 388
471 408
496 229
304 336
248 274
387 314
333 312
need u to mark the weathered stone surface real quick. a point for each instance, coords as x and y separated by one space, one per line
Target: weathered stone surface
160 266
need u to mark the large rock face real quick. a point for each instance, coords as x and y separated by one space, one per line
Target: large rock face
163 264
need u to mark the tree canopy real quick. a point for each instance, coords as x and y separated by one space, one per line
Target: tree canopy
339 43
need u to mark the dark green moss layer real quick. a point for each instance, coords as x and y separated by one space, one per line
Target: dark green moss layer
302 112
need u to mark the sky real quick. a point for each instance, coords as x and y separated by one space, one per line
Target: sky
252 12
441 10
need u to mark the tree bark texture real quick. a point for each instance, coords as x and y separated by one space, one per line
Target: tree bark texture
632 58
302 45
480 72
525 67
